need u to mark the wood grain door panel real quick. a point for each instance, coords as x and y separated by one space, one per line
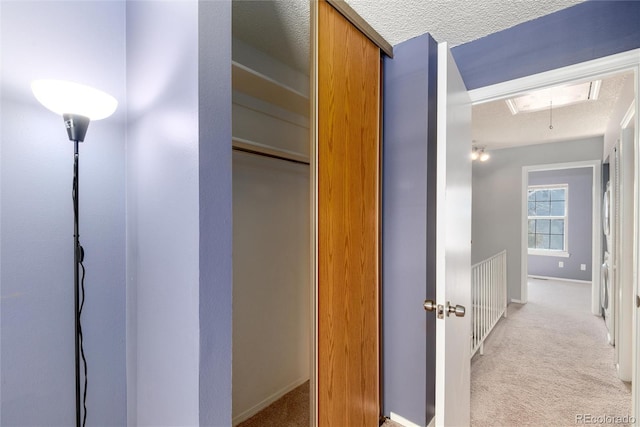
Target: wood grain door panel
348 223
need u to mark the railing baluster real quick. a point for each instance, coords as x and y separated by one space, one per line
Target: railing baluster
488 298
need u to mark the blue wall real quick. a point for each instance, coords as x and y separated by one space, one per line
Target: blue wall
586 31
162 209
83 42
579 232
408 222
215 212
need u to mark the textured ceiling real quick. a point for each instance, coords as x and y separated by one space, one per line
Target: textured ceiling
495 127
452 21
281 29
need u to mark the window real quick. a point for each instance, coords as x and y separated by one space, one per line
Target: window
547 213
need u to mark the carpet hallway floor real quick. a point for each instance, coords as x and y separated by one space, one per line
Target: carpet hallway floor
548 364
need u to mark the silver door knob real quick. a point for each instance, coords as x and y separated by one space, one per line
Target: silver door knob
430 305
458 310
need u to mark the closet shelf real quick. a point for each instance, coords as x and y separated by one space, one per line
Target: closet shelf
266 150
258 85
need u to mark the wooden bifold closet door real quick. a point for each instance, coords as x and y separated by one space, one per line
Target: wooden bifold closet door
348 209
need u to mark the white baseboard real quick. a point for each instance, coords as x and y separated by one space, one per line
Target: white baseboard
401 420
266 402
517 301
559 278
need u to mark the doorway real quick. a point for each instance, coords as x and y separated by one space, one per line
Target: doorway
563 241
581 73
272 286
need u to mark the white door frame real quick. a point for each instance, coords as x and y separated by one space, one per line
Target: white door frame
624 61
596 238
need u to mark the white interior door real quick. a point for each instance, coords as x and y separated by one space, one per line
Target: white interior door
453 246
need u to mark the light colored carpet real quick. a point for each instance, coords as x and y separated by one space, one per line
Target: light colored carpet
291 410
389 423
547 363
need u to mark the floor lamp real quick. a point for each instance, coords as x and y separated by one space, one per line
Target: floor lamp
78 105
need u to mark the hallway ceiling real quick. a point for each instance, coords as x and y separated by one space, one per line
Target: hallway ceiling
495 127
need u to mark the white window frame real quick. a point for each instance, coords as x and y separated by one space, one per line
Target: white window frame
552 252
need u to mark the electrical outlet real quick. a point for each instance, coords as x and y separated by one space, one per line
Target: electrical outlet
561 264
583 267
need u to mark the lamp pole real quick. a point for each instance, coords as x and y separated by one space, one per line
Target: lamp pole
77 258
77 126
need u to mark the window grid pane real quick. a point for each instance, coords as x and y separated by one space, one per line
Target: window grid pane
547 202
542 195
556 242
558 194
542 241
557 226
557 208
546 234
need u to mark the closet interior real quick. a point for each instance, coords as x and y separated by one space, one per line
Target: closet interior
271 211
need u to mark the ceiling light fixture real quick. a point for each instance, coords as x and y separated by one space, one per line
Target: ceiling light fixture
562 96
78 105
479 153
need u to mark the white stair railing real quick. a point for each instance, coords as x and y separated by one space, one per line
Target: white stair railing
489 298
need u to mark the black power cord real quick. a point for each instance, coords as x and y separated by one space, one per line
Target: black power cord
84 360
80 256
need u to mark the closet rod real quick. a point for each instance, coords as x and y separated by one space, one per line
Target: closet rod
246 146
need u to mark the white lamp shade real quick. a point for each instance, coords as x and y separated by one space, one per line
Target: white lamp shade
63 97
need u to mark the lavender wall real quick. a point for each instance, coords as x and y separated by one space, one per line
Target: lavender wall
586 31
163 211
580 181
83 42
215 212
408 222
